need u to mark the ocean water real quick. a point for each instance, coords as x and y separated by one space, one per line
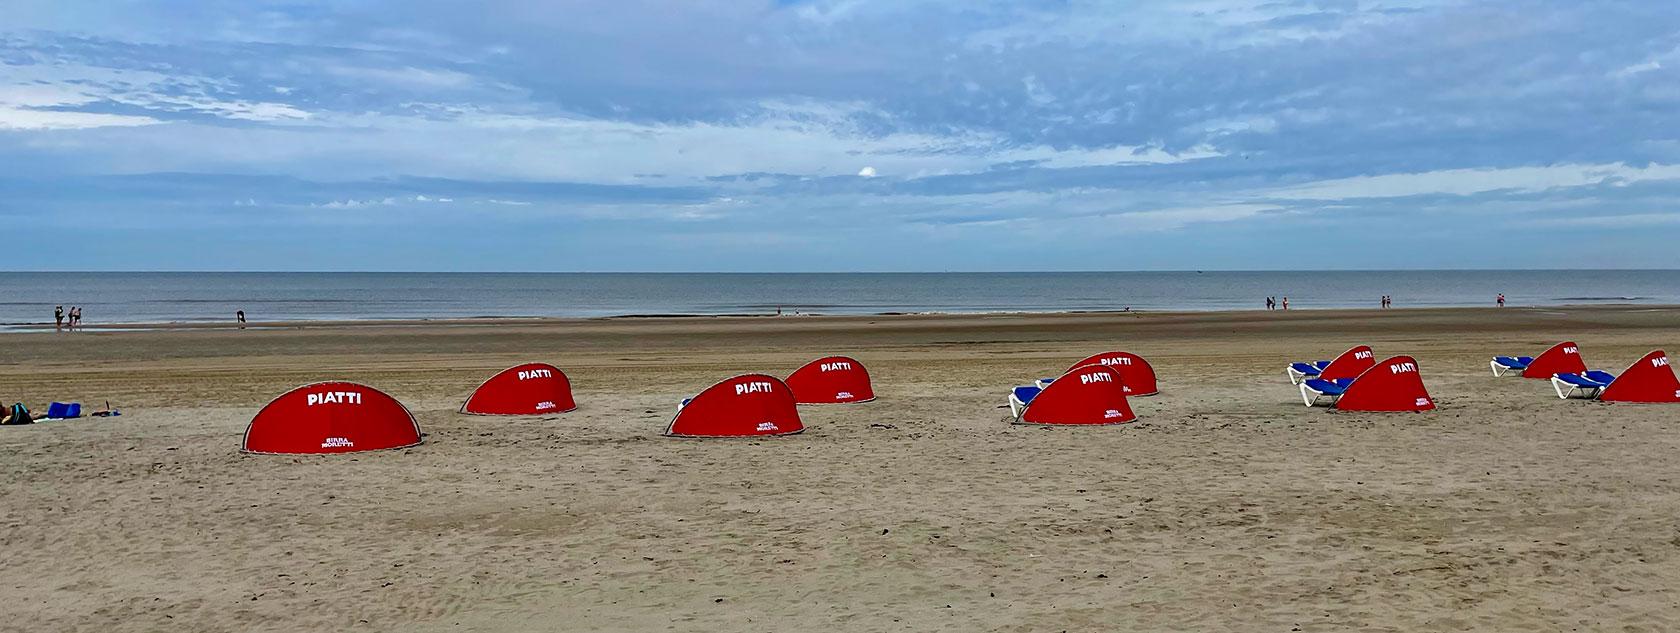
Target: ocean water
27 298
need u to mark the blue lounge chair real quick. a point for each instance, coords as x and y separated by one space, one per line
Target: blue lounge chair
1302 371
1314 389
1019 397
1506 364
1586 385
1043 382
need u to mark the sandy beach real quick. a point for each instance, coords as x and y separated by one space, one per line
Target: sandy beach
1228 506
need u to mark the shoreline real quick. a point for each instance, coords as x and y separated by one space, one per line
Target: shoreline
504 321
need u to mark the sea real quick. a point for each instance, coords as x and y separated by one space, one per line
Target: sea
188 297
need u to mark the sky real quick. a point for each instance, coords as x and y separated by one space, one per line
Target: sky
840 135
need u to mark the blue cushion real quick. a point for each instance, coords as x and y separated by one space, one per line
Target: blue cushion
1513 363
1047 380
685 402
1321 364
1026 394
1329 388
1310 369
1601 376
1580 381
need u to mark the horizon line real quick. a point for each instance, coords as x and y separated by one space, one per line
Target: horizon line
828 272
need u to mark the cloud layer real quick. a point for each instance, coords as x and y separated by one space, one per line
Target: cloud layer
843 134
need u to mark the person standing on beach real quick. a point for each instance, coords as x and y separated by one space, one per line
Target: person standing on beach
240 315
58 318
1286 304
75 317
1500 300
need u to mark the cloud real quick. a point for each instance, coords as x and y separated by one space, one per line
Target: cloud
1464 182
1231 122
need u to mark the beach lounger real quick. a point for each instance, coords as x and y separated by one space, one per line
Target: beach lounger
1313 390
1019 397
1503 365
1302 371
1587 385
1043 382
1562 358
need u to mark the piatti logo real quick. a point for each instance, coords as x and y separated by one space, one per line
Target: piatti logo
754 387
334 397
338 442
535 373
836 366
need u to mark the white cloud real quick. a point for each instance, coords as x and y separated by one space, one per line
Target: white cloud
1180 217
1634 220
28 88
357 204
408 76
1464 182
12 118
867 172
1635 69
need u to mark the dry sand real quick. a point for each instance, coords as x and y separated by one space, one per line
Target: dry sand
1227 507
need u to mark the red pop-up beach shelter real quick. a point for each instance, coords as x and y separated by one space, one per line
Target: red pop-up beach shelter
1092 394
331 417
1391 385
831 380
1649 379
527 389
749 405
1136 373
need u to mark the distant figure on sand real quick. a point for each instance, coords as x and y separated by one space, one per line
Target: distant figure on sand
1286 303
1500 300
1268 303
240 315
75 316
58 318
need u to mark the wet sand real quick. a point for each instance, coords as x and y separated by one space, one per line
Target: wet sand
1227 507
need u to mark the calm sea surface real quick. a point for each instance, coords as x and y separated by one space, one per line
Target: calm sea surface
189 297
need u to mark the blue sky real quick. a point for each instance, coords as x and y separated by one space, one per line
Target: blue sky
858 135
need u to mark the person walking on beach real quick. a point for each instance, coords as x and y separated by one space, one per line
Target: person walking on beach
58 318
1286 304
1500 300
240 315
75 317
1268 303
